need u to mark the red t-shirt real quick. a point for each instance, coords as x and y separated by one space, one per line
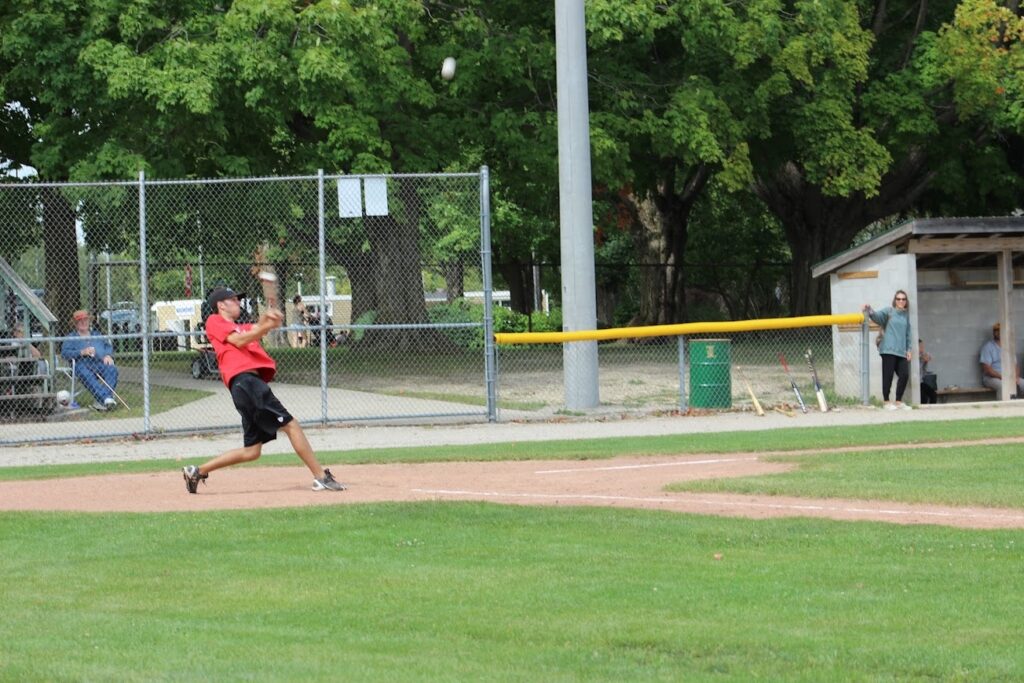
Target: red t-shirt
233 360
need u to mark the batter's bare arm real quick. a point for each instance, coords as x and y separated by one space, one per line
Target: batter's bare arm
267 322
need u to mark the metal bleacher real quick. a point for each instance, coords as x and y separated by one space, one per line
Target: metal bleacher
27 383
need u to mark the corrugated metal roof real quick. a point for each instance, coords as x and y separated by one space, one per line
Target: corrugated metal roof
988 229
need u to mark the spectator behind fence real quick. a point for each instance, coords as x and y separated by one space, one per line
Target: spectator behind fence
18 334
929 380
991 358
301 318
94 360
895 346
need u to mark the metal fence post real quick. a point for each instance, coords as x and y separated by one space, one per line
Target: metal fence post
681 341
865 363
144 303
490 364
322 242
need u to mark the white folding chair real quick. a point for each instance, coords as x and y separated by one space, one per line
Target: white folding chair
69 371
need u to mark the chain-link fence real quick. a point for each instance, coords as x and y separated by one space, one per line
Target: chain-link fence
384 281
386 287
696 372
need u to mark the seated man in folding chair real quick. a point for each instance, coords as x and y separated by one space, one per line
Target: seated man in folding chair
93 358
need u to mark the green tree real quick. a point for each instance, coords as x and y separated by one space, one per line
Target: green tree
670 112
241 88
881 103
739 254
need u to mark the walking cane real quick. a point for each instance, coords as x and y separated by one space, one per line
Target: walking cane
116 395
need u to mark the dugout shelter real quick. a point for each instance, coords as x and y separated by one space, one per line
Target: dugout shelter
959 274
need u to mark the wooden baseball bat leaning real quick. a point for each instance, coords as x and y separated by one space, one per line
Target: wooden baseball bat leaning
757 404
116 395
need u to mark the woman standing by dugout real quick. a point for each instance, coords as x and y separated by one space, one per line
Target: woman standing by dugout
895 346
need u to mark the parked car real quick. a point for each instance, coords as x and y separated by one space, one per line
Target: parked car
123 314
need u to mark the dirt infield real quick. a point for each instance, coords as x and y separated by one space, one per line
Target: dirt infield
621 482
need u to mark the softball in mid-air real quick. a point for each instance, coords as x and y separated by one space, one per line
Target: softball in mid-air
448 68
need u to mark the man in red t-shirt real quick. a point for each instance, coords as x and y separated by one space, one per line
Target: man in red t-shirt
246 368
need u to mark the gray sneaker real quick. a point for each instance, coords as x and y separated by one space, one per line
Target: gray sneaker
328 483
109 403
193 477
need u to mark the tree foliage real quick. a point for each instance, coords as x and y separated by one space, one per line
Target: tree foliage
884 110
836 113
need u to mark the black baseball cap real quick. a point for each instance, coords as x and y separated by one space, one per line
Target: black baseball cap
221 294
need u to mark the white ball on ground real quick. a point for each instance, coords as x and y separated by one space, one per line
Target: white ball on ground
448 68
63 397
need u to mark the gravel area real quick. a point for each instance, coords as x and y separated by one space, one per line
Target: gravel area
381 436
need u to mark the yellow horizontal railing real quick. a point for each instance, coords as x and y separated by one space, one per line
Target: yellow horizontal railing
678 330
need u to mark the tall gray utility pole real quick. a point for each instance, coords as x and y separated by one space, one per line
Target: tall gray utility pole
579 306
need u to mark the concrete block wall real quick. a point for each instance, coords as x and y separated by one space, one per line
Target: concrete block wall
954 325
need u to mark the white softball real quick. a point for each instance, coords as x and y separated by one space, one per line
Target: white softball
63 397
448 68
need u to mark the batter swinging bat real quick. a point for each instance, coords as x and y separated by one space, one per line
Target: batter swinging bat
822 404
796 390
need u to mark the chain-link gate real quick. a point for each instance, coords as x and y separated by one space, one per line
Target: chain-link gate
384 281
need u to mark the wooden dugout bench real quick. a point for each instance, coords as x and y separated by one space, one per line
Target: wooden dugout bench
965 394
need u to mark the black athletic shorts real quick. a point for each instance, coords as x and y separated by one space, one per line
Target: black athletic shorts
262 414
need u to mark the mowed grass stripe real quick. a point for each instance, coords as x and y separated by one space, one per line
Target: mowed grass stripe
798 439
988 476
471 591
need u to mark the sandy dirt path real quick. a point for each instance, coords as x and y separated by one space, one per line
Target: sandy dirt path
620 482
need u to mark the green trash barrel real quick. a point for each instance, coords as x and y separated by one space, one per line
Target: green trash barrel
710 373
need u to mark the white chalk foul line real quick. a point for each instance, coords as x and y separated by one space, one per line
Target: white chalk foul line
726 503
678 463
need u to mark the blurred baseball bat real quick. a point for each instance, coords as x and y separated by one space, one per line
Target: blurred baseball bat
792 383
822 403
269 282
757 404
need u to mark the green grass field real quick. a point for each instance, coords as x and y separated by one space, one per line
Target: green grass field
457 591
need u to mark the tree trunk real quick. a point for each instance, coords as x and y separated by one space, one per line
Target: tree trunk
819 226
454 279
361 271
607 300
398 275
520 286
660 235
63 287
661 296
